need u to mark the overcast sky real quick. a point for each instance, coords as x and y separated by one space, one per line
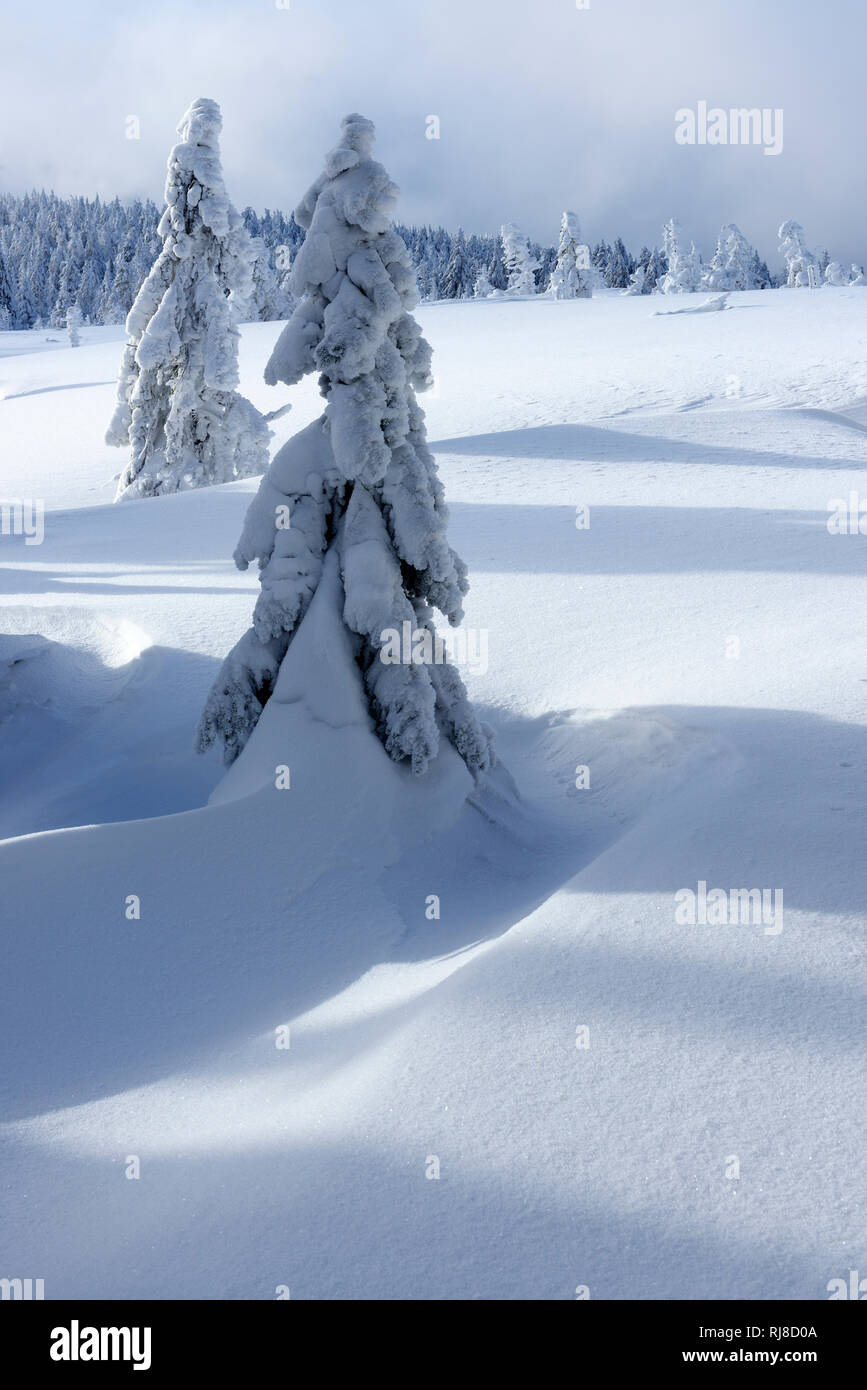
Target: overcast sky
542 105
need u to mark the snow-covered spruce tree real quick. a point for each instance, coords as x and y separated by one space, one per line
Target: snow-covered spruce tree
638 281
73 324
734 264
836 274
657 267
521 265
455 270
7 297
856 275
268 301
620 267
482 288
684 267
359 484
793 249
177 408
569 278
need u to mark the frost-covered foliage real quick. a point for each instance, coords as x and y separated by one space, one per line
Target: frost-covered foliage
482 287
361 480
735 264
73 324
570 277
177 408
684 274
637 281
836 274
520 263
856 275
799 261
268 299
56 251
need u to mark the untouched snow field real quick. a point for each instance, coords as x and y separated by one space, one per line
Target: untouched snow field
556 1083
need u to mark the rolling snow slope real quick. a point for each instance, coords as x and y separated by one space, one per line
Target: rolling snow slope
698 647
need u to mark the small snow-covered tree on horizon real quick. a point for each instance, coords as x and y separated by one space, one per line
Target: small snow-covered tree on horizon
73 324
483 289
178 410
734 264
570 276
684 267
637 281
793 249
357 491
837 274
520 263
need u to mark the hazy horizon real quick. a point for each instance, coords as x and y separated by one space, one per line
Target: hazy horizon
540 107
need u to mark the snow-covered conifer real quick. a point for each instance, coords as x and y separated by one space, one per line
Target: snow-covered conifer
268 300
836 274
521 265
359 485
734 264
73 324
177 408
856 275
657 267
793 248
7 297
620 267
569 278
453 279
638 281
483 289
684 267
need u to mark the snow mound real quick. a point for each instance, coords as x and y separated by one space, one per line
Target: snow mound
317 724
65 659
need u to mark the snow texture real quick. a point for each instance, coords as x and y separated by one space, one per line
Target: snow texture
416 1036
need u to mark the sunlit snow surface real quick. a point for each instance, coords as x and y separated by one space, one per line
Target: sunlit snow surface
699 647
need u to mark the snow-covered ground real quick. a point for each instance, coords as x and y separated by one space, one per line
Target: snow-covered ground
695 642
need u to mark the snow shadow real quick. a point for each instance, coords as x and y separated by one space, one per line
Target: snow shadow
212 961
88 743
792 815
650 540
224 1225
581 443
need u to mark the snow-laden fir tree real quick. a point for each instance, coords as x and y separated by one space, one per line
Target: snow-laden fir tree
569 278
637 281
520 263
856 275
73 324
453 280
268 301
836 274
7 297
620 267
483 289
684 267
793 249
734 264
359 484
177 408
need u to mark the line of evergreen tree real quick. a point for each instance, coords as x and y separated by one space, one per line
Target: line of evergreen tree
59 252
